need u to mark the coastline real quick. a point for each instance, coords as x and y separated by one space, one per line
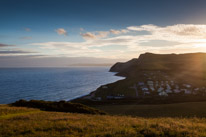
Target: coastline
92 93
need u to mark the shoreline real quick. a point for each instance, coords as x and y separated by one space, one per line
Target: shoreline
93 92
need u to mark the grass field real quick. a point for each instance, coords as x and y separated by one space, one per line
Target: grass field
188 109
19 121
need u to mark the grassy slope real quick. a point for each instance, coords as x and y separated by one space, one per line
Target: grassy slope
18 121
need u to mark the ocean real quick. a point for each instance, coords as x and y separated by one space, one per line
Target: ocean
52 84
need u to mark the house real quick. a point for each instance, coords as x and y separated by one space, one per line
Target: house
177 91
196 90
163 94
110 97
168 86
150 83
146 92
160 89
104 87
141 83
168 90
187 85
152 88
145 89
187 91
98 98
118 97
115 97
177 86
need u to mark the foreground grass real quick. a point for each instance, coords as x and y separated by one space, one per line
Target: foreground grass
18 121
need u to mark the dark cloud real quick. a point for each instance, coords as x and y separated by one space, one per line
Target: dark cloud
15 52
5 45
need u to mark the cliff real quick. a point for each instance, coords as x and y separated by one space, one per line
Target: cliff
172 63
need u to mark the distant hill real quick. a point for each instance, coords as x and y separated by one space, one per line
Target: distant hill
184 63
158 75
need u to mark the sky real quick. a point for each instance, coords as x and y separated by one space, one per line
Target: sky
61 33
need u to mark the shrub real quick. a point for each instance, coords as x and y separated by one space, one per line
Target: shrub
61 106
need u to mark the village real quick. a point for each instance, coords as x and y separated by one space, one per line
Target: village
154 84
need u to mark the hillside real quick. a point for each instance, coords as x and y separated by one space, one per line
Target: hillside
180 77
20 121
170 63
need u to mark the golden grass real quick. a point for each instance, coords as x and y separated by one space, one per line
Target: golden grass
33 122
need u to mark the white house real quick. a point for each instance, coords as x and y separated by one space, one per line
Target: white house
152 88
160 89
187 85
145 89
163 94
146 92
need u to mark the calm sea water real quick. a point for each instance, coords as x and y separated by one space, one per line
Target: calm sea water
51 83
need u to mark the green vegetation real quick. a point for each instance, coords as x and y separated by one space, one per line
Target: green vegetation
61 106
19 121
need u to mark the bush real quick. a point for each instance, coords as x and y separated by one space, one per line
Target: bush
61 106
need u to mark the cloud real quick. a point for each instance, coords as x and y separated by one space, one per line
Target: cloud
5 45
160 39
81 29
88 35
15 52
95 35
27 29
179 32
116 32
159 43
61 31
102 34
